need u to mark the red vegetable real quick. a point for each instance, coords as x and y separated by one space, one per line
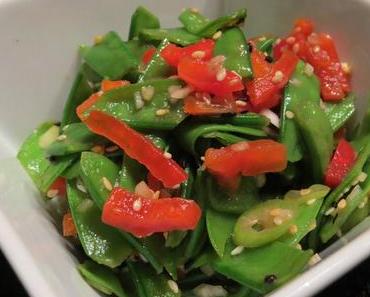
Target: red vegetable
341 163
269 79
172 54
246 158
209 106
148 55
143 217
69 228
137 147
206 76
59 185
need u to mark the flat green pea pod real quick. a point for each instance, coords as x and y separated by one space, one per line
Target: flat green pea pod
300 88
248 119
33 158
100 242
219 227
265 44
308 195
91 75
317 136
110 58
176 35
189 134
72 171
101 278
273 265
227 201
142 19
157 67
192 20
232 44
362 135
149 283
137 47
339 113
223 138
131 173
79 92
76 138
222 23
144 105
264 223
356 217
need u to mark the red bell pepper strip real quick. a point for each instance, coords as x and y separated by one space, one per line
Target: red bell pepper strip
137 147
246 158
197 106
269 79
59 185
69 228
148 55
172 54
204 76
143 217
341 163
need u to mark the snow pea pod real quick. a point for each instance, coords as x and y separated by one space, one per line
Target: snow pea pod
224 138
192 20
300 88
339 113
226 201
248 119
110 58
219 227
356 217
100 242
174 35
222 23
232 44
91 75
131 173
33 158
362 135
101 278
121 103
272 264
79 92
72 171
189 134
317 136
76 138
141 19
157 67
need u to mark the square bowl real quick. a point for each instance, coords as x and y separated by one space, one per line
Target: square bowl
39 59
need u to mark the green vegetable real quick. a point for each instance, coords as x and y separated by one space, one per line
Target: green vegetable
77 138
264 223
232 44
248 119
100 242
72 171
101 278
33 158
176 35
339 113
131 173
142 19
91 75
219 227
80 91
120 103
192 20
265 268
317 135
137 47
301 88
110 58
303 196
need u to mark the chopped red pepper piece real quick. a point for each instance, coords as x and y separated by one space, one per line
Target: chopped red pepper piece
209 77
143 217
137 147
148 55
246 158
172 54
208 106
69 228
59 185
269 79
343 160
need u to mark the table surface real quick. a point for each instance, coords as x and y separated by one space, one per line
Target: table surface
355 284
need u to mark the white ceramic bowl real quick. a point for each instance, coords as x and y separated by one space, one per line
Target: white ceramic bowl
38 50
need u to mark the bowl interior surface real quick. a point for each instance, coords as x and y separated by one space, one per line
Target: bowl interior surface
40 39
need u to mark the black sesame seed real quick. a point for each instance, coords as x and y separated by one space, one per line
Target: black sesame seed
250 47
269 59
270 279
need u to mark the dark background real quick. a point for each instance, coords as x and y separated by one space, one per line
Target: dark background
355 284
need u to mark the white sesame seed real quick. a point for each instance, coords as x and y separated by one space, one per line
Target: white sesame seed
308 69
295 82
162 111
273 117
81 187
136 206
139 103
316 49
293 229
173 286
147 92
180 93
167 155
107 184
52 193
330 211
240 146
221 74
217 35
62 137
314 260
236 251
296 48
278 77
290 40
311 201
240 103
289 114
198 54
277 220
346 68
111 149
342 204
